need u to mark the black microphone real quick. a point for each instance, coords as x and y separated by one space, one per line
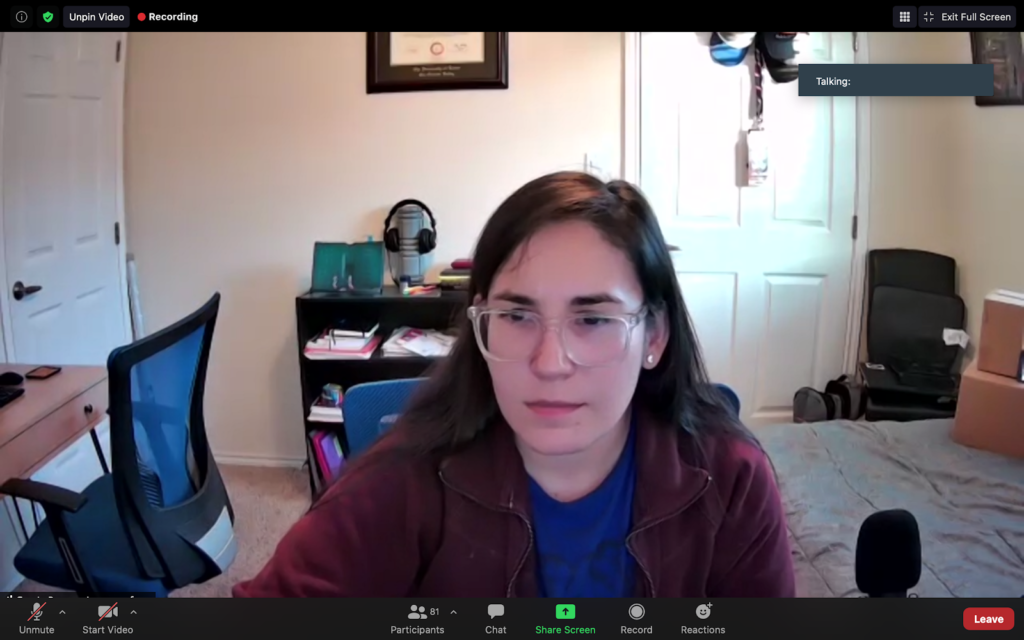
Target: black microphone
888 560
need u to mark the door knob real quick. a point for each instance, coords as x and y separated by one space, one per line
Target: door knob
20 290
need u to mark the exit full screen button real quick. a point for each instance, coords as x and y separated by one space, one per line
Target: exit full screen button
96 17
968 18
988 618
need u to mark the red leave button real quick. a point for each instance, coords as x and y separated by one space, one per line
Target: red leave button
990 618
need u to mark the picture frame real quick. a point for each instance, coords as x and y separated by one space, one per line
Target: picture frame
409 61
1004 50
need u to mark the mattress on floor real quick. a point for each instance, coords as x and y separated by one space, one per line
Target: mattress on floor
969 504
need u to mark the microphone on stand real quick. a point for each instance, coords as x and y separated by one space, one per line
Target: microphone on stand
888 562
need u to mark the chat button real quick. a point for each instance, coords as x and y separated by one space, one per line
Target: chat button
495 611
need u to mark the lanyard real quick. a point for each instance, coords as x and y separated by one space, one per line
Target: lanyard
758 88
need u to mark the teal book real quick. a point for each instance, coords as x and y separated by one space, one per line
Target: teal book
356 267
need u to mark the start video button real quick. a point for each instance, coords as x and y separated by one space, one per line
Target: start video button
992 619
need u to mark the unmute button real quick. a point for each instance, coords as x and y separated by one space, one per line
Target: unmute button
973 18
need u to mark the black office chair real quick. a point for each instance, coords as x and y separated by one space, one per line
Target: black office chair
911 373
161 519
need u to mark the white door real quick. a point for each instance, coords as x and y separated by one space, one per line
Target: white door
59 138
765 271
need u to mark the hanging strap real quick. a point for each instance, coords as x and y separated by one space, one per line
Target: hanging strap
758 88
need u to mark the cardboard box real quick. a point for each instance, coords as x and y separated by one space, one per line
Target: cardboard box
990 413
1001 346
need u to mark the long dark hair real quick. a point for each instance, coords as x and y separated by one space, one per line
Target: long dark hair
457 401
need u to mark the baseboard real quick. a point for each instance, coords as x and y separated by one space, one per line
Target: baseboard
260 461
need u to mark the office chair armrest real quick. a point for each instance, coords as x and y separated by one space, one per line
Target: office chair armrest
57 503
47 495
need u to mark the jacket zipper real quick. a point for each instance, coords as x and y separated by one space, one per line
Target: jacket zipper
632 535
509 509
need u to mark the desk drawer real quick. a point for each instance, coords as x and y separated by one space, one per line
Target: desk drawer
44 440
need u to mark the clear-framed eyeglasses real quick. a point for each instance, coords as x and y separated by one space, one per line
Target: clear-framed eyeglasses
588 339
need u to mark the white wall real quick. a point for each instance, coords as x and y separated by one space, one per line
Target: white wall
988 197
946 174
911 186
243 149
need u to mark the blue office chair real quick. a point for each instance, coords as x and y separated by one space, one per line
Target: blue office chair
731 398
371 408
161 518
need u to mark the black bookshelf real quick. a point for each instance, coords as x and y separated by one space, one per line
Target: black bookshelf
314 311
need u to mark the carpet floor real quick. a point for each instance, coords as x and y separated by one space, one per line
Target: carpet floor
267 502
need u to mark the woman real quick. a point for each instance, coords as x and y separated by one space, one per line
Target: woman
570 446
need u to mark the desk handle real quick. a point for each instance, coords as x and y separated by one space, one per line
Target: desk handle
88 409
20 290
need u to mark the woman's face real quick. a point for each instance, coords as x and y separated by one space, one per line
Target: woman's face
554 405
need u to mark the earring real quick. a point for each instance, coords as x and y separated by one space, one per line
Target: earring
650 358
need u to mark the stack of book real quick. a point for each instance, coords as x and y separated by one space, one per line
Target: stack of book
426 343
456 277
327 407
323 413
329 460
345 340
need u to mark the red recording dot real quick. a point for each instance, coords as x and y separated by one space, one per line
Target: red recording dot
142 17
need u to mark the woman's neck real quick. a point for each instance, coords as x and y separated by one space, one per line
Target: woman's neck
572 476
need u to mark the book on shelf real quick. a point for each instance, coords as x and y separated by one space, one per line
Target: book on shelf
326 341
325 413
316 349
454 279
349 328
427 343
327 453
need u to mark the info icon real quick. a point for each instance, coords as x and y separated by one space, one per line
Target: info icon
904 17
21 17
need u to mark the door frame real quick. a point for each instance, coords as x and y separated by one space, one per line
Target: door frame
630 171
7 353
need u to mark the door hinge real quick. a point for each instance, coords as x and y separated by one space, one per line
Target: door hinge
117 233
854 230
117 53
856 43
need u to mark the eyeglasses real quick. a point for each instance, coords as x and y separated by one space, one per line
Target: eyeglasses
589 340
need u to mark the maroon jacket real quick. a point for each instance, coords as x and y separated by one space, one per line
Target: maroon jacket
460 527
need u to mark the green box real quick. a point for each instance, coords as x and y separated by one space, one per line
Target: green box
565 611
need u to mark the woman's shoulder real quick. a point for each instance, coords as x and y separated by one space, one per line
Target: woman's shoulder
733 452
741 470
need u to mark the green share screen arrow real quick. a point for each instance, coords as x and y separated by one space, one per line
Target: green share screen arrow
565 612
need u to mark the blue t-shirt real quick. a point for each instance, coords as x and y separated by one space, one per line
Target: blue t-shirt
581 545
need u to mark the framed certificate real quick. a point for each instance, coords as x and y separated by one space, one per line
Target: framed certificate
1004 50
402 61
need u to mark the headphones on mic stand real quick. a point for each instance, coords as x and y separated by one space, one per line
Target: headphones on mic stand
426 239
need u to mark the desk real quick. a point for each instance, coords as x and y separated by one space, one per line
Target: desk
50 416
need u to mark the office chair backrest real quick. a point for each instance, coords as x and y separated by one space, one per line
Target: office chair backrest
170 494
371 408
912 269
732 399
906 327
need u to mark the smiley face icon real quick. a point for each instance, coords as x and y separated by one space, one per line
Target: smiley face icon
704 611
